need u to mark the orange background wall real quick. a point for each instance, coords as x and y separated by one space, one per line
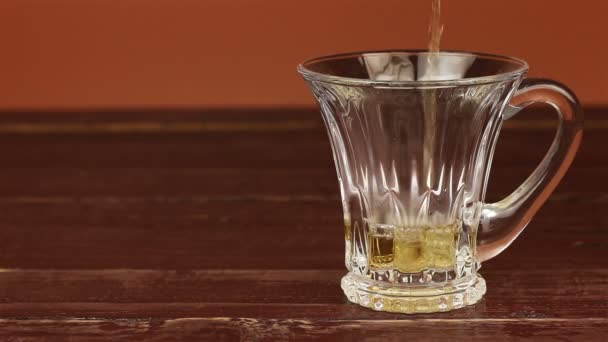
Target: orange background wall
213 53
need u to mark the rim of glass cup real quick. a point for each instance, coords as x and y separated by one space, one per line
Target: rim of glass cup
498 77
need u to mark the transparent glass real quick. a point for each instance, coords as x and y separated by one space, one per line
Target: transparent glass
413 134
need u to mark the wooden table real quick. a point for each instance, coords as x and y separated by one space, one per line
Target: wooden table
226 225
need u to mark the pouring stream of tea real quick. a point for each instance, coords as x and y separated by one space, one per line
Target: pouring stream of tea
435 27
430 96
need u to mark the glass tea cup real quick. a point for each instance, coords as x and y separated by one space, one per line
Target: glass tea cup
412 135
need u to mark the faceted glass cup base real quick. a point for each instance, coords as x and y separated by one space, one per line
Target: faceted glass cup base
411 300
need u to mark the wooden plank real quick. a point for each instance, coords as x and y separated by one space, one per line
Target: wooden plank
240 293
285 147
239 183
252 329
281 150
155 120
490 309
190 234
213 150
238 150
241 149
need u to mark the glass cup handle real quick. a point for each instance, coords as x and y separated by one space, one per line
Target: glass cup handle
503 221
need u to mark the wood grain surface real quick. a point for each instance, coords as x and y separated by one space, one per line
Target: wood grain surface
226 226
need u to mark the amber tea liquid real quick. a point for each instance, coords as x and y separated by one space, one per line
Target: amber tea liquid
413 249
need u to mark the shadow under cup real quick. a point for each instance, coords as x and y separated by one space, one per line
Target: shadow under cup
412 135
